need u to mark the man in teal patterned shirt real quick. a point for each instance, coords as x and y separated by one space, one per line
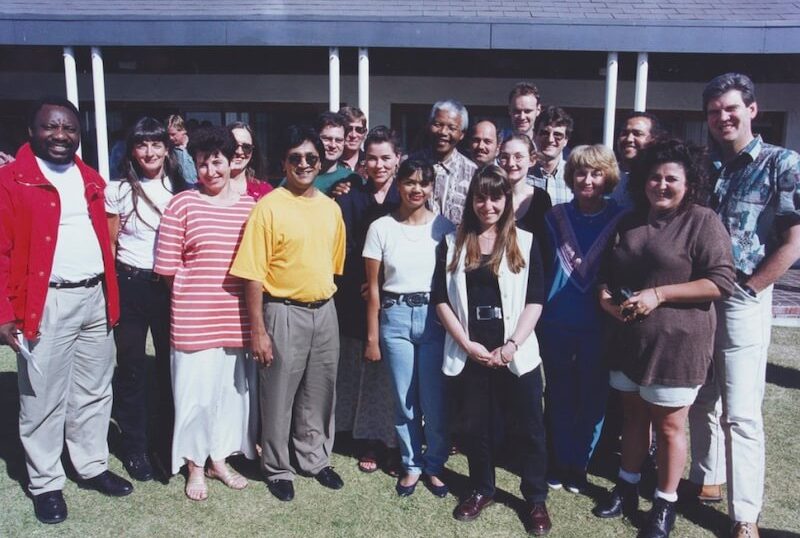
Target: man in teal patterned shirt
756 192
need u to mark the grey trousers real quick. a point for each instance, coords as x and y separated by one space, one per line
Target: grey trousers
71 398
298 390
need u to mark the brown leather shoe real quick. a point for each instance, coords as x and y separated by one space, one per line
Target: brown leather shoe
472 506
744 530
539 522
707 494
710 493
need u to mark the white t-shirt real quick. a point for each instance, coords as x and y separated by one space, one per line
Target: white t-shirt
408 252
136 242
77 254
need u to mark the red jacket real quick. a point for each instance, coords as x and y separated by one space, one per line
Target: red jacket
30 210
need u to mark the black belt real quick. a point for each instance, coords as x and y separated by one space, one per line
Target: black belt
87 283
135 272
418 298
313 305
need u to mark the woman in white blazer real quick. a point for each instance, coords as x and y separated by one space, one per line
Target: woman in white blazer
488 288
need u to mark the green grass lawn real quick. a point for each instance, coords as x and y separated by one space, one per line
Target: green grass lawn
368 506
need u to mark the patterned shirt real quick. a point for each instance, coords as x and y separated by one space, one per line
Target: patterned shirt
453 176
757 196
553 183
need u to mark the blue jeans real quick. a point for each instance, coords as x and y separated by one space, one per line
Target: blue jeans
412 343
576 391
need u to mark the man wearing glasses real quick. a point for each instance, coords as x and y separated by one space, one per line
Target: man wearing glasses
355 130
551 133
293 244
331 127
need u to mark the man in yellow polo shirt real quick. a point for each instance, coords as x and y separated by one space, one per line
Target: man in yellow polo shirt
292 246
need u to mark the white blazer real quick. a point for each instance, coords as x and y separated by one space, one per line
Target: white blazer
512 296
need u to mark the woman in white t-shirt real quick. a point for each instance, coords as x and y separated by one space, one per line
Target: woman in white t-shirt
402 325
134 205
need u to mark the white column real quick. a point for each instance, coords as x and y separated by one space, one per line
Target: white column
363 81
71 80
333 79
640 97
99 89
612 66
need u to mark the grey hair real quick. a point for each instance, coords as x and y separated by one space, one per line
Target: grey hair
451 106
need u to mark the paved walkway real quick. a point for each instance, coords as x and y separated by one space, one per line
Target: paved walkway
786 299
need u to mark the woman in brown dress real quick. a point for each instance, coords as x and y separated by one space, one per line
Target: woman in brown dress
670 259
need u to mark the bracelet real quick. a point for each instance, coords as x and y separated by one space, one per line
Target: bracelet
658 295
511 341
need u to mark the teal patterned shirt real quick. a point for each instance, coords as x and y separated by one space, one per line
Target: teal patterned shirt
757 196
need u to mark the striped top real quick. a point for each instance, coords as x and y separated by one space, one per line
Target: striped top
196 243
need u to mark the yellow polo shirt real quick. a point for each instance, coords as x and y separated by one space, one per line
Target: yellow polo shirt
293 245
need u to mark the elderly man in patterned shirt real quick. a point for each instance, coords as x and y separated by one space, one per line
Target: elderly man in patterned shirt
447 125
756 192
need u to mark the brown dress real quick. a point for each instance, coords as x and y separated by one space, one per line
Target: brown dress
673 346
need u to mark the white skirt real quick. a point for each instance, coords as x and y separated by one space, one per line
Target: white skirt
216 405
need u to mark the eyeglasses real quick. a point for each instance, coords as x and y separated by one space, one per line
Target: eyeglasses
296 158
507 157
357 128
547 133
247 149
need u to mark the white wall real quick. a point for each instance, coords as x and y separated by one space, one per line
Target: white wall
387 90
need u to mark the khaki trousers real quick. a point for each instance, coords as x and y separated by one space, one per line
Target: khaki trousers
298 390
726 423
70 400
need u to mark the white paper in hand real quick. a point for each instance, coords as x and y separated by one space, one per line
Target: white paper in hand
26 354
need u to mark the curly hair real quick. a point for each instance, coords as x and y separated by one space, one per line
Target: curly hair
692 158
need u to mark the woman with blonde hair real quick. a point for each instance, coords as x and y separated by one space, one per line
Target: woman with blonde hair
571 329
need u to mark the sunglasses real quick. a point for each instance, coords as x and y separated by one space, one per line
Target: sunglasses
247 149
359 130
296 158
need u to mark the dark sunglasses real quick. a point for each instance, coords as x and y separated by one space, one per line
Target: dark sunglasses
296 158
247 149
359 130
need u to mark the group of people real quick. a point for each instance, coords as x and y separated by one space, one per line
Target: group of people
409 299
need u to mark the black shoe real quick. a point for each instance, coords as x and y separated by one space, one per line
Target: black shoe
109 484
283 490
50 507
660 520
439 491
576 481
329 478
138 467
405 491
623 500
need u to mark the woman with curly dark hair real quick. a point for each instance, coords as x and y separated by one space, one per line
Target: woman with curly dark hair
667 263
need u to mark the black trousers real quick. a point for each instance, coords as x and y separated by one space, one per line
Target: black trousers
499 406
144 305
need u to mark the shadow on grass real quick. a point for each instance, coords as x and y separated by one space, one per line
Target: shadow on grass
10 446
783 376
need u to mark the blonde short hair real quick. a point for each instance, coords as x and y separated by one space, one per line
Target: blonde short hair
598 157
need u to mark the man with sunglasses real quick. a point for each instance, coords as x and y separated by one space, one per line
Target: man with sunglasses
293 244
552 130
355 130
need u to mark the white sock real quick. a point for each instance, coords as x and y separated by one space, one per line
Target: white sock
630 478
669 497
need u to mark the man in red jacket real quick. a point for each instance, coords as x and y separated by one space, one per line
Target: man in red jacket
58 302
